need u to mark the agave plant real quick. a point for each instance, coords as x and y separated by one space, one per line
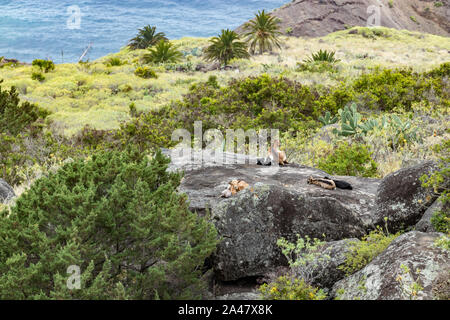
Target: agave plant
322 56
163 52
225 47
263 32
146 38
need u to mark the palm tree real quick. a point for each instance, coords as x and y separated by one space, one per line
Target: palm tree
146 37
163 52
225 47
263 31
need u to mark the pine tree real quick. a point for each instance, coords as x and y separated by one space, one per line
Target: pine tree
119 218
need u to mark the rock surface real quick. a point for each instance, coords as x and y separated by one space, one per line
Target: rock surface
253 295
424 224
315 18
402 198
6 192
326 272
379 279
280 203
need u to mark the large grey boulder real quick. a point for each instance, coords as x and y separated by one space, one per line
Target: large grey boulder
278 203
379 280
401 197
6 192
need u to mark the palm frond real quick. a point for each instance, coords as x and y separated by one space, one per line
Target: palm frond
146 38
225 47
163 52
263 32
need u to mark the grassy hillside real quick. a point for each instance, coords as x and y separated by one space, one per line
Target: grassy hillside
99 95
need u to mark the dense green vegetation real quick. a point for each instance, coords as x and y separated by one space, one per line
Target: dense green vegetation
119 218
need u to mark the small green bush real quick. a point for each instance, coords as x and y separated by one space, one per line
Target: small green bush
119 217
146 73
44 65
316 66
439 181
37 76
285 288
441 221
363 252
349 160
114 62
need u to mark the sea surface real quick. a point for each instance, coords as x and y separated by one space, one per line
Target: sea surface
61 30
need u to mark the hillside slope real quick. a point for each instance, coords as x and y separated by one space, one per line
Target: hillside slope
315 18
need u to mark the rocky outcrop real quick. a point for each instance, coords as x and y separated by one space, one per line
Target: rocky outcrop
253 221
6 192
384 278
401 197
424 224
315 18
280 203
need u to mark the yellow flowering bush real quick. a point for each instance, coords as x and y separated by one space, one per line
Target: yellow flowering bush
286 288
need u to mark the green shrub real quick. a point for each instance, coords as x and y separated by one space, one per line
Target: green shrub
149 131
389 89
285 288
146 73
21 125
250 103
441 221
439 181
119 217
44 65
363 252
316 66
304 256
114 62
15 117
349 160
37 76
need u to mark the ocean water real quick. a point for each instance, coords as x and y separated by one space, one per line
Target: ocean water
61 30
